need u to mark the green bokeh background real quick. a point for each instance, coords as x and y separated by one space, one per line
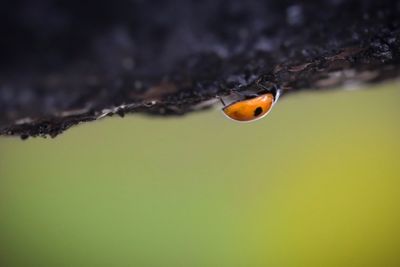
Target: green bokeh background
316 183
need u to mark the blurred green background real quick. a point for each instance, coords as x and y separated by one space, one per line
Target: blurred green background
316 183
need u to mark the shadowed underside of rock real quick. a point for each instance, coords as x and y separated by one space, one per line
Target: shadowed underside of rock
67 63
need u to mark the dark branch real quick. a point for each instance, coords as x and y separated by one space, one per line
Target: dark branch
70 62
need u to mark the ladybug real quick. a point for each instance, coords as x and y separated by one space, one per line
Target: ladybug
252 106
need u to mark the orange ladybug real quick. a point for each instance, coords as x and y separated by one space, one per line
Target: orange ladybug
251 109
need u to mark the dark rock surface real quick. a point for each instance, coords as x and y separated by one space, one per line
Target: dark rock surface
66 62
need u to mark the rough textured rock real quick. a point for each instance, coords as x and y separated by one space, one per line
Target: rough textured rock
67 62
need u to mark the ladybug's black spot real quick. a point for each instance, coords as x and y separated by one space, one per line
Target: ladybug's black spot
258 111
